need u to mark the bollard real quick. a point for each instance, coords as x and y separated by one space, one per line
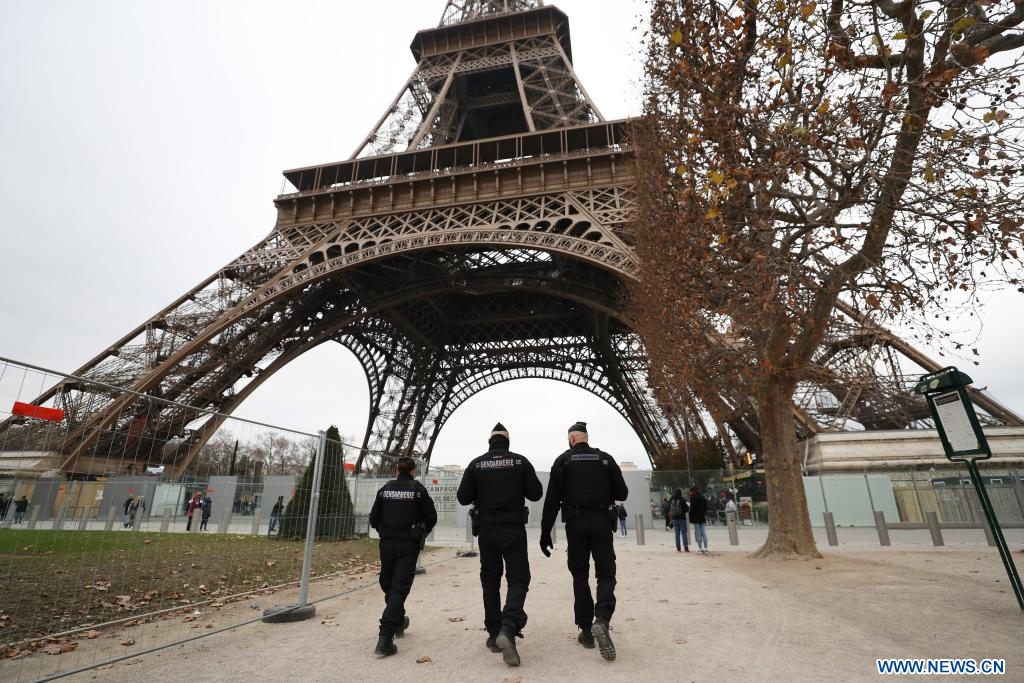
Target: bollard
111 513
883 530
137 522
165 520
734 536
58 523
830 529
469 539
933 527
420 569
225 521
988 532
34 517
640 529
257 517
303 610
83 521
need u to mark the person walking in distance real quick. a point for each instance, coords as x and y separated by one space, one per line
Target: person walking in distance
584 482
20 506
698 518
498 483
621 511
276 512
677 508
126 522
194 509
403 514
207 511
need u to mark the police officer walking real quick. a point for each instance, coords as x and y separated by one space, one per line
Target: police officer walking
403 514
497 483
585 482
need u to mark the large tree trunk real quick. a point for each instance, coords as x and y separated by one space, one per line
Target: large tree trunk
789 524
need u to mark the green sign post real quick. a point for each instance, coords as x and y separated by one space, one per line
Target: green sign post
964 441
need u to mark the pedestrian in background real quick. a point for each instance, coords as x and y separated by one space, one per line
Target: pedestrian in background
276 512
622 517
665 512
584 483
194 509
132 506
698 518
677 509
498 484
20 506
207 511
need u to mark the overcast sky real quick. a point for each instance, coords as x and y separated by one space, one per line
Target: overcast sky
142 144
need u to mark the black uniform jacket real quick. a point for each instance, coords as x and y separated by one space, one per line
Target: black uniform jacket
585 477
497 483
403 509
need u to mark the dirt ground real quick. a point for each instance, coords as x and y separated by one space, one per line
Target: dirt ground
680 617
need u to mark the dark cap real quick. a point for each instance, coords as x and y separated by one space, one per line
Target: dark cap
579 427
499 430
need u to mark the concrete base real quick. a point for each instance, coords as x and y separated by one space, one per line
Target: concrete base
288 613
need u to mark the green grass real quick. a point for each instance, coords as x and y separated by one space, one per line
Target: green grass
53 581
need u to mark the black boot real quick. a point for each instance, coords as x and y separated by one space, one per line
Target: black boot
506 640
385 646
400 633
586 639
600 632
491 645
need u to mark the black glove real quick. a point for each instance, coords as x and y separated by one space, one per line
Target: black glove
546 543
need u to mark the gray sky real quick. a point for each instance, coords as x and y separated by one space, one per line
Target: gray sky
141 146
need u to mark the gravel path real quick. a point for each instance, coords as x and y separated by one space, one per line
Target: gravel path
680 617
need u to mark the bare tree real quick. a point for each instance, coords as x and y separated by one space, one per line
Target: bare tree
795 156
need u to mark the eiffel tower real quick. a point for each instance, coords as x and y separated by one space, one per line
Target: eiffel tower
477 235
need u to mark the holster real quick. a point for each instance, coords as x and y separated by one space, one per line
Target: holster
474 520
526 515
613 517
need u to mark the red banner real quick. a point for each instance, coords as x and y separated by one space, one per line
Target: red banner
29 410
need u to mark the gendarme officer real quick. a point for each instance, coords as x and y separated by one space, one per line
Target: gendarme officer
497 483
585 482
403 514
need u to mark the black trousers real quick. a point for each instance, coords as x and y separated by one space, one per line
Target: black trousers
588 533
504 545
397 570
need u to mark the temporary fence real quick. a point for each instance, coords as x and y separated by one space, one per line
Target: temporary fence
120 509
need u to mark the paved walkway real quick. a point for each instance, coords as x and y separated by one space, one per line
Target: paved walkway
681 617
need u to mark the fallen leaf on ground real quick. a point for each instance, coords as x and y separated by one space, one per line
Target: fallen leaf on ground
128 643
271 563
52 649
92 634
456 618
424 660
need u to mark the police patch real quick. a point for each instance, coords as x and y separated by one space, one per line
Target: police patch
580 457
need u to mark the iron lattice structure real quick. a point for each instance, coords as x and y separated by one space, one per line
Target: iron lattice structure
479 234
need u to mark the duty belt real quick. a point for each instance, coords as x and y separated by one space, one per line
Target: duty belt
589 506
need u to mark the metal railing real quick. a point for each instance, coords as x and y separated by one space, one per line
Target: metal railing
154 526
